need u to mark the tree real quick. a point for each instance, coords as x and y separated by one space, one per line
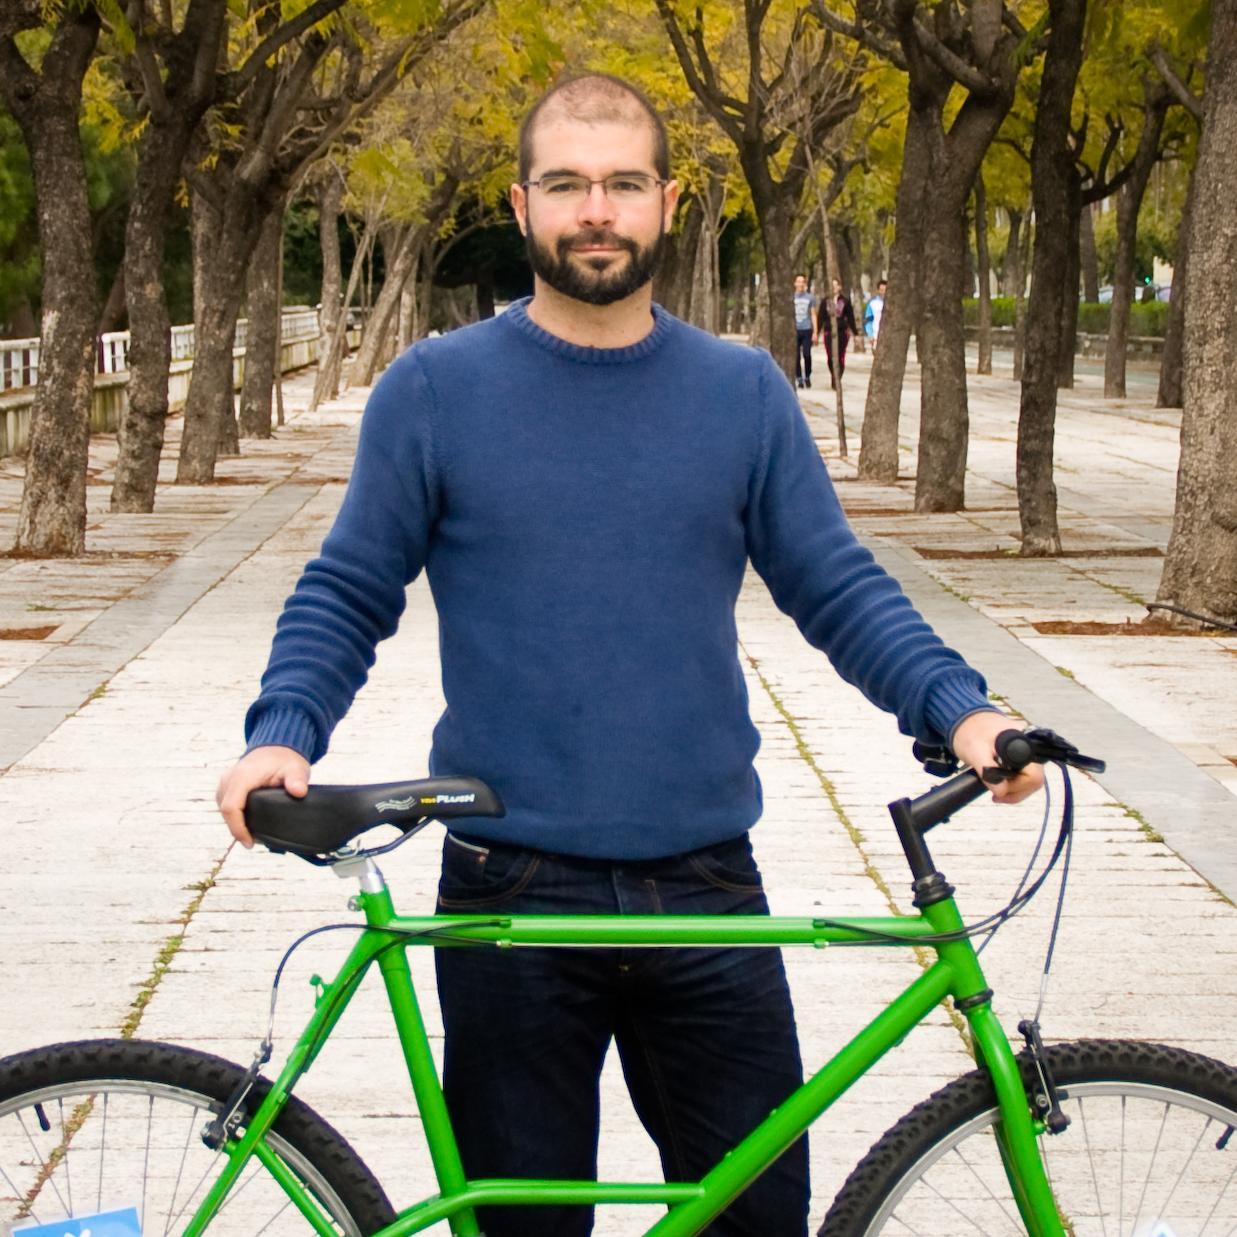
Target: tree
1200 567
41 77
1053 180
286 116
975 47
756 100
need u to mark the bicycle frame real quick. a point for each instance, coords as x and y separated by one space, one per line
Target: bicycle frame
956 973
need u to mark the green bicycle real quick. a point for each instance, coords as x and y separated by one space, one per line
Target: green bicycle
1094 1137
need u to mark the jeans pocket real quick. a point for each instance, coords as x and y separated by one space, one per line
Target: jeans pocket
480 874
728 865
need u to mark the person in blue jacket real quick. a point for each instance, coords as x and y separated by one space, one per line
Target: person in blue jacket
585 479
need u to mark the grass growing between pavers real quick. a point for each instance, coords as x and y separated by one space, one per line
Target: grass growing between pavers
168 951
923 956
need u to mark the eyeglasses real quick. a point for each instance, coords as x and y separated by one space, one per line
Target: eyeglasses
630 187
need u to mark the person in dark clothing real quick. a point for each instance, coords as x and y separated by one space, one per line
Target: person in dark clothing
837 307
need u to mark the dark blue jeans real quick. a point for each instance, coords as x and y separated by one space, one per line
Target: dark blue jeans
706 1037
803 352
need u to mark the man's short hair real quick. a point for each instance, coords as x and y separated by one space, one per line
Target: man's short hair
882 283
598 98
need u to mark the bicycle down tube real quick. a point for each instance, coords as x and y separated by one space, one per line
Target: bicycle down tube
956 973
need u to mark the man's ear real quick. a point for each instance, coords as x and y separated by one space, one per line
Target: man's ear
670 199
519 204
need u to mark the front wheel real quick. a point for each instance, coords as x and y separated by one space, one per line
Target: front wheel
1150 1152
105 1125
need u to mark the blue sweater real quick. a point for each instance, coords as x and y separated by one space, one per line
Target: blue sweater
585 517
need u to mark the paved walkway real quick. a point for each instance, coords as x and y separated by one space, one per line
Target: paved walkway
125 676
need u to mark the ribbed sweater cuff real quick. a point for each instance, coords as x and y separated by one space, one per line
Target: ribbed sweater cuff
285 728
951 700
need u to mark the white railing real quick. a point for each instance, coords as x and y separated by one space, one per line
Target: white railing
19 358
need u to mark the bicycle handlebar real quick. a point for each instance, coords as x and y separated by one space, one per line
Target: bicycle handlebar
1015 750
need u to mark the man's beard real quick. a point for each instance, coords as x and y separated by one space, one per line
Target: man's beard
612 280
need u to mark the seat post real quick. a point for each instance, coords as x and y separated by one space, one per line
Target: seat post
362 868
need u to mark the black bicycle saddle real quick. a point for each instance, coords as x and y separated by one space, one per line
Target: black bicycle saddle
329 817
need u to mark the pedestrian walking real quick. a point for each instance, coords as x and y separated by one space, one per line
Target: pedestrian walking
874 311
837 309
805 331
585 479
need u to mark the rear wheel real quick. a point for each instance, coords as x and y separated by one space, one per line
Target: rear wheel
105 1125
1150 1152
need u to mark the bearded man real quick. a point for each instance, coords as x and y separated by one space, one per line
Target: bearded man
584 479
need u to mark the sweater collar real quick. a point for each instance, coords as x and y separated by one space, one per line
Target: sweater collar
517 315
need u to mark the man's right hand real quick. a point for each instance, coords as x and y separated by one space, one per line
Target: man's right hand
264 766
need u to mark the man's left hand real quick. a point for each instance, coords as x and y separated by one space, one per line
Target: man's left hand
975 745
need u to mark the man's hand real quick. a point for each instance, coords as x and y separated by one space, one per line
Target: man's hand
975 745
264 766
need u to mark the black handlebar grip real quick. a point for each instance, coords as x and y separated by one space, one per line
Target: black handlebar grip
1014 751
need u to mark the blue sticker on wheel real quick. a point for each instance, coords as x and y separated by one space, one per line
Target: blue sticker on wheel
122 1223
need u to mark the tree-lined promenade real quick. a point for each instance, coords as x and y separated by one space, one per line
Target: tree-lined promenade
194 160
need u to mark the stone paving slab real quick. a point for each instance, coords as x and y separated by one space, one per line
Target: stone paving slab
113 833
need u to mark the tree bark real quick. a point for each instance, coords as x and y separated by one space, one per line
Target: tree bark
1129 203
1169 392
983 364
1087 256
330 199
878 448
1011 267
1067 342
401 258
1020 297
262 338
1052 177
219 284
174 107
47 106
1200 567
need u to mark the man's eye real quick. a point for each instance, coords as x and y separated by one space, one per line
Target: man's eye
626 184
560 186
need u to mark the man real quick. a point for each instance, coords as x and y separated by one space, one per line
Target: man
873 313
837 309
805 331
585 502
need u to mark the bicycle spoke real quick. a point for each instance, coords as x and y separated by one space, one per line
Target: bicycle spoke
102 1149
1188 1162
45 1173
1095 1185
16 1194
986 1188
954 1207
273 1218
1151 1168
150 1120
1121 1177
64 1142
167 1228
1219 1197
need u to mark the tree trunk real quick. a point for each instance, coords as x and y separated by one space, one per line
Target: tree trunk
674 287
1052 177
262 338
944 422
400 260
773 215
219 283
1087 255
1200 567
878 449
142 424
1067 344
46 106
329 201
1011 267
1169 392
1129 203
1020 297
984 363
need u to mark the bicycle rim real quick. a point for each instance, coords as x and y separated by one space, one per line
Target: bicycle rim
1138 1160
81 1148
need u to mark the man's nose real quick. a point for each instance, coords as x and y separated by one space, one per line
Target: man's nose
596 209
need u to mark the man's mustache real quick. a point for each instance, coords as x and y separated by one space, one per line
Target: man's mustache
596 236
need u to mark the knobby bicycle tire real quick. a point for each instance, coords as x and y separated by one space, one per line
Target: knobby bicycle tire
1150 1152
101 1125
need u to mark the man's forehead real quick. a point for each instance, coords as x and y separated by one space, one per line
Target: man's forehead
627 135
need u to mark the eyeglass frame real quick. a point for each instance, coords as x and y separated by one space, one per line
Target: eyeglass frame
658 182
